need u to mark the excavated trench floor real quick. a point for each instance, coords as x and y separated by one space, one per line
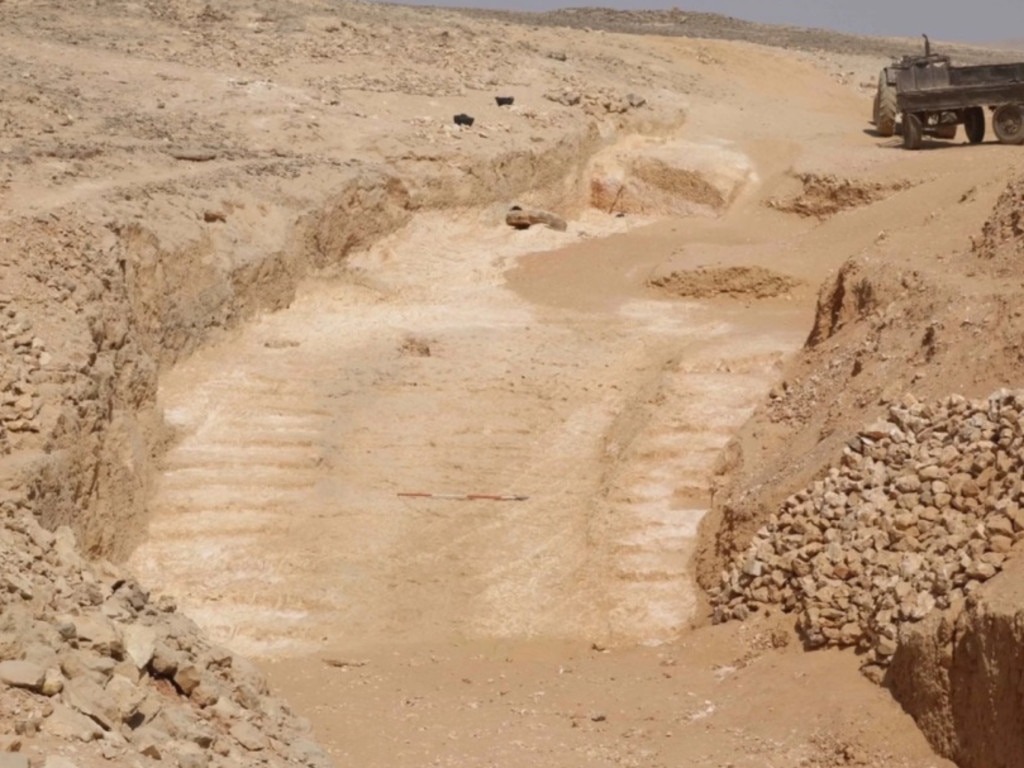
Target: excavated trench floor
459 357
278 521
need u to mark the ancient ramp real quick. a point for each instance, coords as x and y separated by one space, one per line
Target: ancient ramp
659 489
278 522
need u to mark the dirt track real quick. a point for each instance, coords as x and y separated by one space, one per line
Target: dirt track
419 344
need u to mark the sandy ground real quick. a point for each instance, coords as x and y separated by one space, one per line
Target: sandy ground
459 356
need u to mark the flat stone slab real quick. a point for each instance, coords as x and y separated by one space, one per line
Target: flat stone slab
22 674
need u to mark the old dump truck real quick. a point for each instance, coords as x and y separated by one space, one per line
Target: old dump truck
886 112
934 96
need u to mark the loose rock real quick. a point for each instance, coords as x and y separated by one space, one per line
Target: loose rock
22 674
524 218
249 737
915 517
99 663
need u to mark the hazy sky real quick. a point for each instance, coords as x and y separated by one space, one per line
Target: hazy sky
967 20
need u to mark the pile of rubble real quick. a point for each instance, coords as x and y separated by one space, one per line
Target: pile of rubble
924 508
91 670
21 354
604 101
826 195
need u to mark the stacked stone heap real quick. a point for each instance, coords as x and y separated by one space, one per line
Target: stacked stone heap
91 671
21 354
923 509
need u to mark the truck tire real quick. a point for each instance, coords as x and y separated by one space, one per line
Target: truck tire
913 131
974 124
885 114
1008 123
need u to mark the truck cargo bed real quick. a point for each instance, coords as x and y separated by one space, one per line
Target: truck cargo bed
931 89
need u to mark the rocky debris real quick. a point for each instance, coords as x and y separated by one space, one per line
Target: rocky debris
22 674
23 354
924 508
598 102
732 282
86 657
825 195
524 218
566 97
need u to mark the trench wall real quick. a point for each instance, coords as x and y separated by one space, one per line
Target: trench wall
961 676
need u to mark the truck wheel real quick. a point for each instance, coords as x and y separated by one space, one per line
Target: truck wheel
913 130
1008 123
974 124
885 114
